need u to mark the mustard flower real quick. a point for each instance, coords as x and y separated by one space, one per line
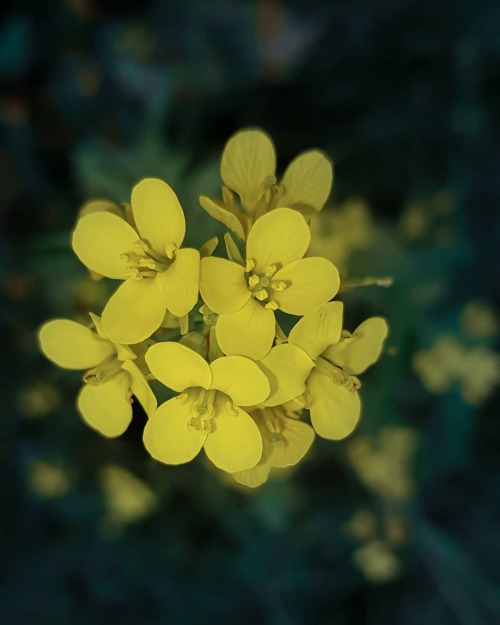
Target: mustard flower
332 386
157 274
111 377
274 276
208 411
248 168
285 438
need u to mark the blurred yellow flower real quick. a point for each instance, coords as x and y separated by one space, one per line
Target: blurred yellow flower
208 412
128 499
449 362
248 168
332 386
275 276
157 274
111 378
48 480
384 462
339 232
377 561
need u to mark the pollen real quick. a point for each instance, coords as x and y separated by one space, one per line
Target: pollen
261 294
270 271
171 250
249 265
279 285
253 281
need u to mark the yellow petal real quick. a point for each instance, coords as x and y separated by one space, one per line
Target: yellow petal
71 345
319 329
254 477
335 410
362 349
229 219
140 387
158 214
235 443
287 367
248 161
278 238
181 282
167 435
311 283
307 181
241 379
100 239
106 407
177 366
222 284
297 439
135 311
248 332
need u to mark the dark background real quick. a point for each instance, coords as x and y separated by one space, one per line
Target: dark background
405 98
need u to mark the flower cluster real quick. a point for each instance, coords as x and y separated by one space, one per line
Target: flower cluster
240 383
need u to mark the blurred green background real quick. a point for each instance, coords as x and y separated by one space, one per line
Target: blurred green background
400 522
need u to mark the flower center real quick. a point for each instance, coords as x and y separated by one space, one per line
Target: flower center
144 262
204 406
275 426
103 372
263 287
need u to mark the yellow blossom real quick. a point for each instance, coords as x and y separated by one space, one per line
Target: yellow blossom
384 462
248 168
48 480
377 561
111 377
286 440
128 499
476 370
207 413
274 276
157 274
332 386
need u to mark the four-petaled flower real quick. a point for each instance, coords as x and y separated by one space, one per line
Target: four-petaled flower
112 376
157 274
275 276
248 168
332 386
208 412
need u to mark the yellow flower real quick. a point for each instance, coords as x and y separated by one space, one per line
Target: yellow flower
208 412
332 396
286 440
377 561
275 276
111 377
384 463
128 498
248 168
157 274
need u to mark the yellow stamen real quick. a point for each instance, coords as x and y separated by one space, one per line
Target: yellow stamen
184 324
272 305
170 250
253 281
249 265
279 285
147 262
261 295
270 271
